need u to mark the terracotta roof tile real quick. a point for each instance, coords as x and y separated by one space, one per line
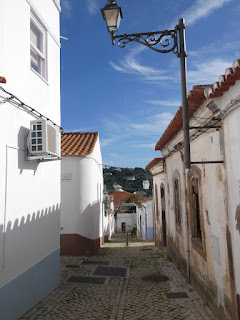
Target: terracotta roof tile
153 163
121 196
78 143
196 97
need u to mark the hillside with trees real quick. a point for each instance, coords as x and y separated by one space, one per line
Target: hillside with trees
120 176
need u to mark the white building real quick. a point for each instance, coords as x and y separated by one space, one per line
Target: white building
29 189
84 224
145 219
198 211
126 217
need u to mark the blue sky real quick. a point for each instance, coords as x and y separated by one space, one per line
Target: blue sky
130 95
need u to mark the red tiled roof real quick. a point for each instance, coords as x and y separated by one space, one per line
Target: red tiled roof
78 143
153 163
121 196
196 97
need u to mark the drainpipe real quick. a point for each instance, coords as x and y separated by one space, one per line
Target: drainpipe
186 219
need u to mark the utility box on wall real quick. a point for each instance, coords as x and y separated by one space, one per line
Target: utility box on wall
43 140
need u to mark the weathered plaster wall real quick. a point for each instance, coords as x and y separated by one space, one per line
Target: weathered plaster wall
215 264
231 134
158 180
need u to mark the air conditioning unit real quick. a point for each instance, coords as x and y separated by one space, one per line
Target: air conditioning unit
43 140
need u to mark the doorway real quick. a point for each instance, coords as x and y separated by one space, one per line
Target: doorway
123 226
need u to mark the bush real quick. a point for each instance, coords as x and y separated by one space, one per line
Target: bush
134 231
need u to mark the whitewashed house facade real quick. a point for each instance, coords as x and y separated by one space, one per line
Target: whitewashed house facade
29 189
197 212
84 224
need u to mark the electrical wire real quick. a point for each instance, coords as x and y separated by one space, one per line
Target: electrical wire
218 117
16 102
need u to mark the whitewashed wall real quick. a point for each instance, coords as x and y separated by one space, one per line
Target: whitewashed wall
29 219
82 195
130 220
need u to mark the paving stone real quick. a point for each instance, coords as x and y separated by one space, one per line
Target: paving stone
110 271
123 298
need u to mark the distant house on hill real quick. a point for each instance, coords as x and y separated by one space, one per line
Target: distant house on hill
131 178
107 174
83 221
141 192
117 187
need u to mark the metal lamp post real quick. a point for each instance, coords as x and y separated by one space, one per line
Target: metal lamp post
162 42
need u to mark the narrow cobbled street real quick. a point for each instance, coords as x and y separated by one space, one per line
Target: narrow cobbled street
134 282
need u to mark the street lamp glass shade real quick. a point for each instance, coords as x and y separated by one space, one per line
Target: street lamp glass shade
146 184
112 14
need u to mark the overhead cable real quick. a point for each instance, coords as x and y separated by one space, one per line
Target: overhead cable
16 102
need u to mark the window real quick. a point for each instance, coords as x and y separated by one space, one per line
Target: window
38 47
195 208
177 202
177 198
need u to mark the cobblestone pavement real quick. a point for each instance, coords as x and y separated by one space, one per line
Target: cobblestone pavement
127 298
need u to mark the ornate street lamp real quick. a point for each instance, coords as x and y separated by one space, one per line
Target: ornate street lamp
112 14
159 41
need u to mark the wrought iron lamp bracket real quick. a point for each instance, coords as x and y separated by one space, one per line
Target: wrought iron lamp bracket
159 41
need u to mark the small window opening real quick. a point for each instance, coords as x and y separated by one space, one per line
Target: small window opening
197 228
177 202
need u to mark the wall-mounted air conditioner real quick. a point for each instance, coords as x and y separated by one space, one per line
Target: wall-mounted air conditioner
43 140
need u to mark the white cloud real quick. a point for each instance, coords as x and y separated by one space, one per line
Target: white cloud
145 145
202 9
110 140
216 47
165 103
149 128
208 72
66 8
92 6
114 155
152 125
131 65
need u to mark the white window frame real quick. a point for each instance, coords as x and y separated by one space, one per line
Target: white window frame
41 55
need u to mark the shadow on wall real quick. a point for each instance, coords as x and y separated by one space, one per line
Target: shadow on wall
22 145
29 260
88 223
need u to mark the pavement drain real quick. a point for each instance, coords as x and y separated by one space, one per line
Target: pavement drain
71 266
146 249
129 258
96 262
176 295
155 278
90 280
110 272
